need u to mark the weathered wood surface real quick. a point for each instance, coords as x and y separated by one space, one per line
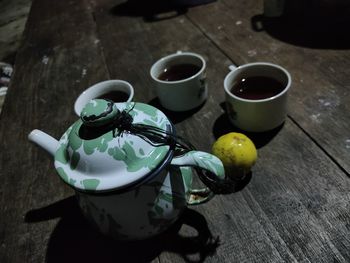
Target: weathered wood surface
319 100
58 58
295 208
13 17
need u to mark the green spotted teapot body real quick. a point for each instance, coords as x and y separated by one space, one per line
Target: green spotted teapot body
120 159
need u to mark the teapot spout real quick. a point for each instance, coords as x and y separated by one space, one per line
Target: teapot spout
44 140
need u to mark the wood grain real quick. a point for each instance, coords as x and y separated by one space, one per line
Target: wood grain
133 46
291 159
58 47
13 16
319 100
295 204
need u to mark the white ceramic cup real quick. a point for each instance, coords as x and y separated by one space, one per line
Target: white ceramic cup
262 114
184 94
100 89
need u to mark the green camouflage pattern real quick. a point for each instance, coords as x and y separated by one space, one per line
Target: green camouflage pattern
96 164
98 112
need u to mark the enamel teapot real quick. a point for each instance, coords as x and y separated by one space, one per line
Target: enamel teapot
122 160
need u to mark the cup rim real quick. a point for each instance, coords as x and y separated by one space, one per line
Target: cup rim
101 86
285 89
179 53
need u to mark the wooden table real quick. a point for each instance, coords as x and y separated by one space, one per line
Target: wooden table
296 206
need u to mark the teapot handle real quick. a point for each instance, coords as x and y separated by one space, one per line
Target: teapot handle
204 161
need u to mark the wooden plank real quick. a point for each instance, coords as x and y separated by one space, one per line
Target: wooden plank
13 16
59 57
318 98
306 198
295 207
132 45
292 210
274 218
12 10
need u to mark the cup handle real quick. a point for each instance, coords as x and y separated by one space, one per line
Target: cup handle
204 161
232 67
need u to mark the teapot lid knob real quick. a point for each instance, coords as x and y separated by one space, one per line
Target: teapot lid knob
98 112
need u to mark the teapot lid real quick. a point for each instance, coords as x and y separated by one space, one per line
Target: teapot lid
99 153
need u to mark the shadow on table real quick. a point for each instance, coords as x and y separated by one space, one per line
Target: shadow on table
174 117
223 125
309 24
156 10
73 240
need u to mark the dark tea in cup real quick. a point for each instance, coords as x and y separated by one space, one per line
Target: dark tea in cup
256 87
256 96
115 96
115 90
179 72
180 81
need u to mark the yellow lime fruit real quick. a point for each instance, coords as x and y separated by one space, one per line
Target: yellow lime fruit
237 153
